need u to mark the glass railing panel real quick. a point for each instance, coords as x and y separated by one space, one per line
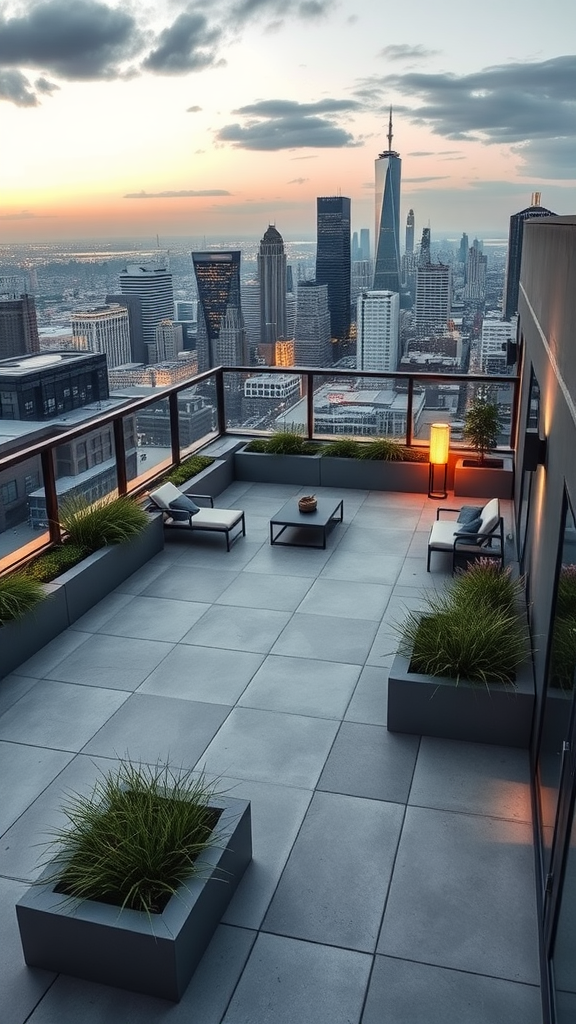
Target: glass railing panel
360 407
270 402
23 519
197 415
153 442
85 467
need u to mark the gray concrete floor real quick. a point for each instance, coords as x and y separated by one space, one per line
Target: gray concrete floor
392 880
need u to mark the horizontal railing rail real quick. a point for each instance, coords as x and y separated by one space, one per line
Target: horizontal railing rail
174 444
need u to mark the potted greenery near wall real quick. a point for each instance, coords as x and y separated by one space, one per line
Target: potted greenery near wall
105 543
284 458
140 877
380 463
483 475
463 668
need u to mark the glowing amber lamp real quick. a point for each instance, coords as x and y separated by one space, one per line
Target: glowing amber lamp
439 450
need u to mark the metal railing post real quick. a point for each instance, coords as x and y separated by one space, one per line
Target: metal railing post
310 405
220 402
174 428
49 478
409 411
120 450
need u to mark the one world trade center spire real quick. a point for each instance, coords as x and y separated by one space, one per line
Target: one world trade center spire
388 168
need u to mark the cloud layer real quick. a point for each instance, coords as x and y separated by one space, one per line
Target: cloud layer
531 106
284 124
181 194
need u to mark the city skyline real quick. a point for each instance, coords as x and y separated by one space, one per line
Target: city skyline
194 120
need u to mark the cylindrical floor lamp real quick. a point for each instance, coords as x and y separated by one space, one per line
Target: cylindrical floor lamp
439 451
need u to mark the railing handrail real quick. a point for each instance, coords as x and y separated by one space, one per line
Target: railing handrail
131 406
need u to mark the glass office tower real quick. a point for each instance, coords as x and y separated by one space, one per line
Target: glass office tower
221 334
388 169
333 259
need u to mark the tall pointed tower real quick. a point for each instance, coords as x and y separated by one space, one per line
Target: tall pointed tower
388 169
272 281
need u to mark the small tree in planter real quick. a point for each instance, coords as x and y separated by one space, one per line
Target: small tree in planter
482 425
142 874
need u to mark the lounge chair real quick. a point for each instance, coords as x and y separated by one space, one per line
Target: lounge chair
471 536
181 512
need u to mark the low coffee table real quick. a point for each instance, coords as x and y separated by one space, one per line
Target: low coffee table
319 522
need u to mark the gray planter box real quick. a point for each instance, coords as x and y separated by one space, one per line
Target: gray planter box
369 475
437 706
75 592
22 638
211 481
484 481
259 467
156 956
104 570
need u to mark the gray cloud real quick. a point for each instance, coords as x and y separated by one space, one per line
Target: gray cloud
245 10
186 45
548 158
285 124
43 85
193 110
23 215
182 194
75 39
297 181
510 103
404 51
15 88
429 177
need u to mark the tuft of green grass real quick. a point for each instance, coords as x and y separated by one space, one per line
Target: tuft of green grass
387 449
566 596
108 521
190 467
472 631
343 448
58 560
19 593
283 442
136 838
485 583
563 653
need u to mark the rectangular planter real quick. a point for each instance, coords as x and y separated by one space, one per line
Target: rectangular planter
260 467
154 955
368 475
22 638
96 576
484 481
75 592
437 706
213 480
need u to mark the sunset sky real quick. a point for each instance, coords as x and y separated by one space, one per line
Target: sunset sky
174 118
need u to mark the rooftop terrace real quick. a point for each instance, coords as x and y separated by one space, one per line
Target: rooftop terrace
393 878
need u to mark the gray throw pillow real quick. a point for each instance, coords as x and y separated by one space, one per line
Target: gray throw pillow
468 513
472 527
184 504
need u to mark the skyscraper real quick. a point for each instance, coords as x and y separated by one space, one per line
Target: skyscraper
433 298
410 233
312 342
377 331
153 285
133 303
272 281
364 243
221 335
476 267
103 329
388 168
424 256
18 327
515 238
463 249
333 259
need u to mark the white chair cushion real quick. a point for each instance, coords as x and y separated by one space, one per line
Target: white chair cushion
165 494
442 534
216 518
490 516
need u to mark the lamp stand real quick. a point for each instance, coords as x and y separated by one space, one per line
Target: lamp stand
432 493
